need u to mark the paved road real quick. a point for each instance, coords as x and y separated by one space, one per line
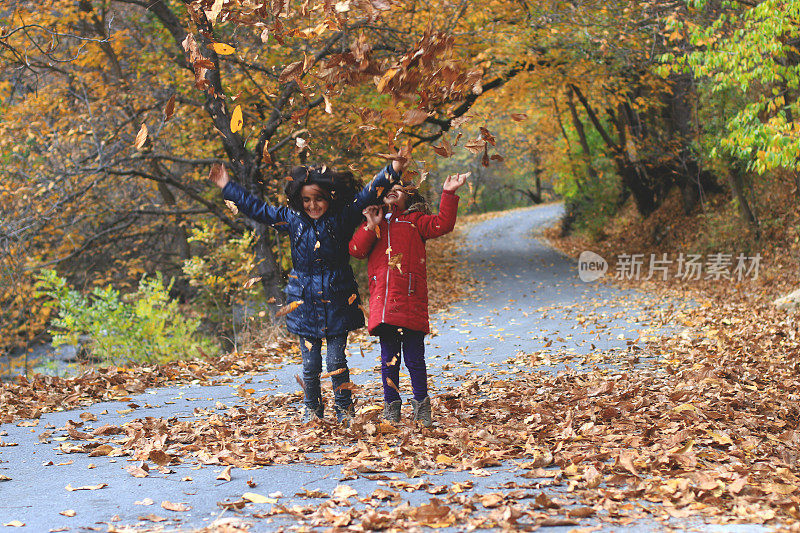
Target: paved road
529 298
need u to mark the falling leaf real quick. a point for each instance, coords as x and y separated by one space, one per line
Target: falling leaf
300 381
390 383
250 282
395 260
414 117
316 245
169 109
288 308
146 501
177 507
236 119
332 373
222 48
141 137
215 10
291 72
353 298
517 117
386 78
225 475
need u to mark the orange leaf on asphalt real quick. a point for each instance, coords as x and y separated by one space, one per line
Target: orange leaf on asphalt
225 475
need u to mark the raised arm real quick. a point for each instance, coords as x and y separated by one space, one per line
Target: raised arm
247 203
432 226
365 237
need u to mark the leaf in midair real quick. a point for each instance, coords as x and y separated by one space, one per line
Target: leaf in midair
517 117
332 373
488 137
169 109
232 206
414 117
250 282
222 48
392 385
236 119
141 137
300 381
213 13
352 299
291 72
288 308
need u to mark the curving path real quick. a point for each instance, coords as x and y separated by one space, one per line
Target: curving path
528 298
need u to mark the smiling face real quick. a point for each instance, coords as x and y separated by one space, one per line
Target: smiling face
315 201
396 199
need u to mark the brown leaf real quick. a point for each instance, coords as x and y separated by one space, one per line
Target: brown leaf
517 117
332 373
291 72
87 487
392 384
169 109
141 137
414 117
250 282
225 475
177 507
288 308
159 457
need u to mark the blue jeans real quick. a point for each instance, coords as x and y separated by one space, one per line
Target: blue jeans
311 349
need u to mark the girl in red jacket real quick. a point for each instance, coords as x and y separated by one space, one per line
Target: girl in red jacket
393 237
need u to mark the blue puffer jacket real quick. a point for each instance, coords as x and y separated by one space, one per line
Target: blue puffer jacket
321 276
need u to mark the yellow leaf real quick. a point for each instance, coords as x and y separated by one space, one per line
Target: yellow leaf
257 498
236 119
386 79
444 459
222 48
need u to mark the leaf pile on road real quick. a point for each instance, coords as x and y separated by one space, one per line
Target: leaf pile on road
30 397
711 430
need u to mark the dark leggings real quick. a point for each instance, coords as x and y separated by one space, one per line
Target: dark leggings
413 347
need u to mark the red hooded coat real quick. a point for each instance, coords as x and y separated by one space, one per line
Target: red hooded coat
398 286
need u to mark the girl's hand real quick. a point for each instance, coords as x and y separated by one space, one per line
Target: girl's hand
454 181
403 155
373 214
219 176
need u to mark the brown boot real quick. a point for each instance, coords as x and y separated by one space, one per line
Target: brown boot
422 411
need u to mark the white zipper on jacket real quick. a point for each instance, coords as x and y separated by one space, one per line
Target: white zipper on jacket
388 266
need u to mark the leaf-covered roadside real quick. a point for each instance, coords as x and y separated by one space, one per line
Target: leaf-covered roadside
698 436
29 397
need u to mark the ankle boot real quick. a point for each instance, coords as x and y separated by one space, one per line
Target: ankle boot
422 411
391 411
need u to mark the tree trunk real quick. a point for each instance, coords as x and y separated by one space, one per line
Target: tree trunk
737 186
587 153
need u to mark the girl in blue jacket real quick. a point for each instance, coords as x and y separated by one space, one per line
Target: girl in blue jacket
324 211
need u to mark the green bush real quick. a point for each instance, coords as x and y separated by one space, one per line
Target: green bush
144 326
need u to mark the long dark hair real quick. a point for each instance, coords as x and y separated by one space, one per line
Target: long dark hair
340 187
415 201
